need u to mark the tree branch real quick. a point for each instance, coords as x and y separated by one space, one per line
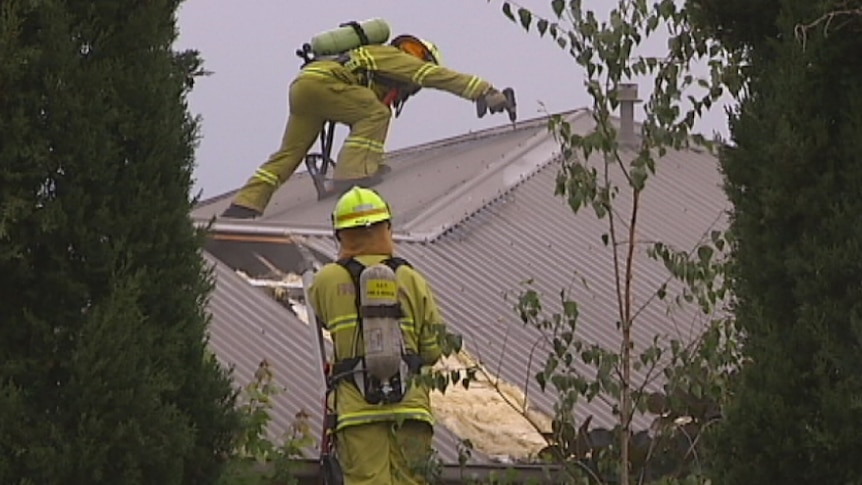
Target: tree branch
801 30
670 278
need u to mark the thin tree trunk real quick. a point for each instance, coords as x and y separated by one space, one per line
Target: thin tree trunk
626 349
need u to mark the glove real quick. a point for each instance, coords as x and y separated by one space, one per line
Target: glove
495 101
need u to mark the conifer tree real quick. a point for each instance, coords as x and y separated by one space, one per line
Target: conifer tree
104 373
794 175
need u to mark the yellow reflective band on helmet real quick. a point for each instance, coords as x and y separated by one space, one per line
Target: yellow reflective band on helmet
266 176
435 52
359 207
361 215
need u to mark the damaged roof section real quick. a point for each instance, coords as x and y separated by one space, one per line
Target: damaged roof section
477 215
249 326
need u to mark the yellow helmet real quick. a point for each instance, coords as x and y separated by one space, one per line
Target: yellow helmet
421 48
359 207
434 51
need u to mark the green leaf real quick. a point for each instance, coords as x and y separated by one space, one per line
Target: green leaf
666 9
558 6
705 253
507 11
652 24
542 26
561 42
616 19
639 176
526 18
540 379
570 308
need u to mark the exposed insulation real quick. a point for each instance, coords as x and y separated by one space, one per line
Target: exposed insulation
482 415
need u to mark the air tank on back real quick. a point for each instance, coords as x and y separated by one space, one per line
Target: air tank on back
344 38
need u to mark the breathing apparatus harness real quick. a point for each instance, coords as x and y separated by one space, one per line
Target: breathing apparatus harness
398 92
381 379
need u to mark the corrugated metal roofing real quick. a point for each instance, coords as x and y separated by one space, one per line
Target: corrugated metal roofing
531 234
431 187
249 326
477 238
477 268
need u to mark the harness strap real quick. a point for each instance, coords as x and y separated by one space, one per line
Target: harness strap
363 38
345 368
399 91
383 311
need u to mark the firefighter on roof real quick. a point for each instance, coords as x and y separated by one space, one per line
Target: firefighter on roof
357 88
384 324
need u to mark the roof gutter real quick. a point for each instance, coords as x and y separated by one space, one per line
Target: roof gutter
251 229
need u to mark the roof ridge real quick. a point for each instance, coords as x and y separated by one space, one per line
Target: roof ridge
478 135
528 170
524 125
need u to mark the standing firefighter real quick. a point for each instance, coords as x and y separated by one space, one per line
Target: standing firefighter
358 88
384 321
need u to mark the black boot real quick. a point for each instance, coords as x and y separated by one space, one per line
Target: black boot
240 212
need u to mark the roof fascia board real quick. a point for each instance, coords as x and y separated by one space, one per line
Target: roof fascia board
252 229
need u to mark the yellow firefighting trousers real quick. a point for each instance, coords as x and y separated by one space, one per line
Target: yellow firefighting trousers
314 99
385 453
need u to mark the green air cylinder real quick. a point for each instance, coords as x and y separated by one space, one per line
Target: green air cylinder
344 38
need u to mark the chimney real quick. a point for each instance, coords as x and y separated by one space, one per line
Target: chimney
627 94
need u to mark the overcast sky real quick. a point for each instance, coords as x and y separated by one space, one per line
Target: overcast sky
250 47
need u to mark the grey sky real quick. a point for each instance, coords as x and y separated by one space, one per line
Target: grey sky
250 45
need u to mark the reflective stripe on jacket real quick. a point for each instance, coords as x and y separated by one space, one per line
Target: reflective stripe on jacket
332 296
396 65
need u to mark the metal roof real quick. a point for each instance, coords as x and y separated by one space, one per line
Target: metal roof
249 326
477 215
431 188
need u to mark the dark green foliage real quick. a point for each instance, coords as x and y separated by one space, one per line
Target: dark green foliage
736 23
104 377
795 179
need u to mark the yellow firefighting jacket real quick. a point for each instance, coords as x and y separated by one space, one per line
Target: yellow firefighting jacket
376 66
333 298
